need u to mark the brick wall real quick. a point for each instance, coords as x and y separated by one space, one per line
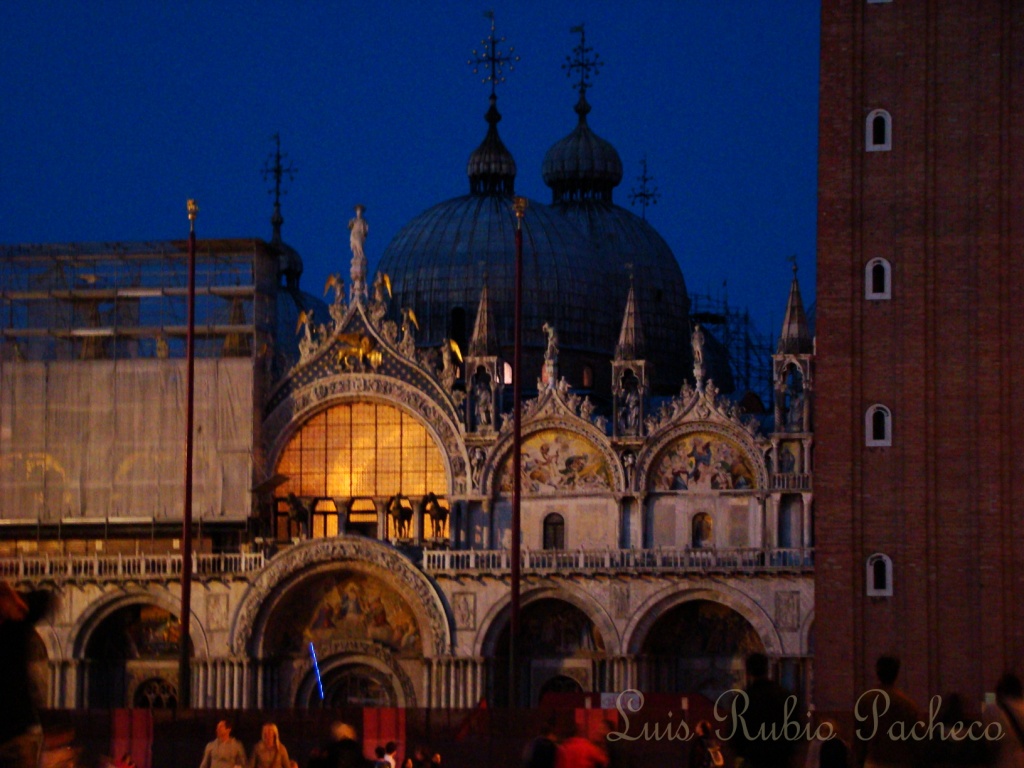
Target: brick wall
945 355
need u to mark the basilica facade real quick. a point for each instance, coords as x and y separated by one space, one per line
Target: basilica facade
353 483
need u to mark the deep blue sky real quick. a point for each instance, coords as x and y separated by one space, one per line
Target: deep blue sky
114 113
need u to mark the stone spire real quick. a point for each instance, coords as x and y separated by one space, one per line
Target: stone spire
484 342
484 369
631 344
631 375
795 338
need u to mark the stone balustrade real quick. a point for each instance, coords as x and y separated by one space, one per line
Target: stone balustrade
624 561
113 568
37 568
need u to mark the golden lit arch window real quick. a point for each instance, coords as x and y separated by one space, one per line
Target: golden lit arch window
362 449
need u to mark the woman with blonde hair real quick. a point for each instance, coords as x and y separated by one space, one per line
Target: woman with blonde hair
269 752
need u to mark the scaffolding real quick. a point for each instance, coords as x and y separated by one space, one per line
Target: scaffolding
127 300
750 351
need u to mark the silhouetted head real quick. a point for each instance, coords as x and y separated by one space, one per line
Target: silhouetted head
757 665
1009 687
887 668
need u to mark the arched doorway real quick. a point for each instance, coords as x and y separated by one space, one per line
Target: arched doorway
357 685
39 668
361 629
559 645
697 647
132 659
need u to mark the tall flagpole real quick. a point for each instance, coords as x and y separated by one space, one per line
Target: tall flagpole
184 659
519 204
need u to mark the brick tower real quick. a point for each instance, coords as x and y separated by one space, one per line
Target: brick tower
920 356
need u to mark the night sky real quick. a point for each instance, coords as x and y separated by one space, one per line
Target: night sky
114 113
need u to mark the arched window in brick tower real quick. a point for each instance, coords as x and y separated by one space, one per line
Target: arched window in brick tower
879 576
878 131
878 280
877 426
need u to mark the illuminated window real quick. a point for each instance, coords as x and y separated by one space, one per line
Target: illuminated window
362 449
878 131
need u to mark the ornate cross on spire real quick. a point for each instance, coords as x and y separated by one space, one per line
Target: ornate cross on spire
491 60
792 260
277 171
582 60
646 195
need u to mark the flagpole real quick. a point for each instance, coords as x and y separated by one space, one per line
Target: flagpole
519 204
184 658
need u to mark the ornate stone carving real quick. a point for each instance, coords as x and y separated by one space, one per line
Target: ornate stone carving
464 610
379 304
337 307
407 344
385 562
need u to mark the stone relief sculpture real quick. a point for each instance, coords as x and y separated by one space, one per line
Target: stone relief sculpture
337 307
381 294
477 457
697 342
551 351
449 367
308 342
358 230
407 344
483 401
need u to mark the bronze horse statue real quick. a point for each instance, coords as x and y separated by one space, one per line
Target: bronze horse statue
438 515
400 516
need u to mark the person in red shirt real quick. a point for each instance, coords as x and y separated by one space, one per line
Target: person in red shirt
581 752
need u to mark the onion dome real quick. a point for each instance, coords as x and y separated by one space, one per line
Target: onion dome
491 167
582 166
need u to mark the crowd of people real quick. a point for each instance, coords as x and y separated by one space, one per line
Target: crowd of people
342 750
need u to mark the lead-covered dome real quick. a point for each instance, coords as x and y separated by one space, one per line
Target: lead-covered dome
583 170
440 261
631 246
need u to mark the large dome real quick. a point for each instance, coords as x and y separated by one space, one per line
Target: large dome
626 244
439 262
582 170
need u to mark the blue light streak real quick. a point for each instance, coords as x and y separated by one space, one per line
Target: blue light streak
316 668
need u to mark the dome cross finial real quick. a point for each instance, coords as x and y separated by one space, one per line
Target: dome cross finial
277 171
646 194
491 59
581 61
